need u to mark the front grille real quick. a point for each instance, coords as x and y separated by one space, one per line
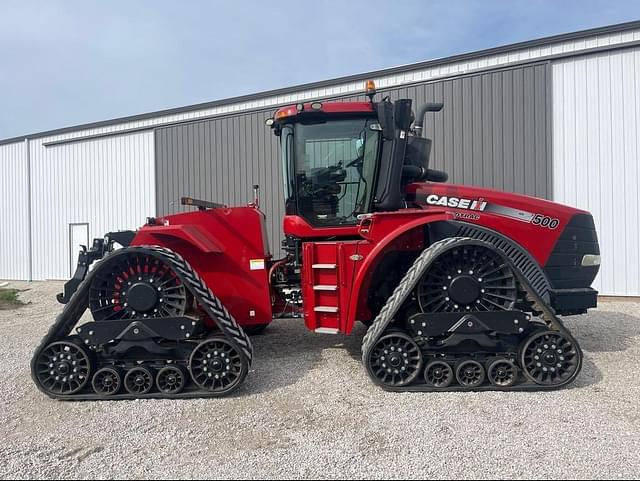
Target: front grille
564 267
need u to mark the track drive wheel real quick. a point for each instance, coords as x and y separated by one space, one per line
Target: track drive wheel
502 372
395 360
107 381
470 373
550 358
63 368
217 366
438 374
171 379
138 381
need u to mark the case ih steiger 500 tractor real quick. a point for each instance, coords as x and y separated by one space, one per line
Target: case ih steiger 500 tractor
461 287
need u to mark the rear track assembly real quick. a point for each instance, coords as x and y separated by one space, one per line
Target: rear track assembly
142 344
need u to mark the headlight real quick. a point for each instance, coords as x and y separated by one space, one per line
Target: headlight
589 260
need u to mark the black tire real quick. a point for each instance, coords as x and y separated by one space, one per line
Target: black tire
395 360
470 373
502 372
438 374
217 366
550 358
107 381
62 368
138 381
171 379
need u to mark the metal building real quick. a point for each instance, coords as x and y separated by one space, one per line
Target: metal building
556 117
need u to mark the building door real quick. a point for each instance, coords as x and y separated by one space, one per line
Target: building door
78 235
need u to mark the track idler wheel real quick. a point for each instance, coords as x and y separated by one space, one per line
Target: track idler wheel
550 358
438 374
107 381
171 379
138 381
217 366
502 372
395 360
63 368
470 373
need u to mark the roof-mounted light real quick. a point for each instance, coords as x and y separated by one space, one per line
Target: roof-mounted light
370 88
286 112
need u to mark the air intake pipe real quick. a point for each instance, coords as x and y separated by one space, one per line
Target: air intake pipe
415 173
428 107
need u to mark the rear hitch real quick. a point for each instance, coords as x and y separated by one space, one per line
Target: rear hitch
86 257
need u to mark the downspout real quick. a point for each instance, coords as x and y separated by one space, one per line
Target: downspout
29 243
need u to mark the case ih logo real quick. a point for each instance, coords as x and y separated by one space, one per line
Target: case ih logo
456 202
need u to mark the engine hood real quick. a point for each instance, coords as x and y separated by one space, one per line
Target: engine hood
534 223
480 199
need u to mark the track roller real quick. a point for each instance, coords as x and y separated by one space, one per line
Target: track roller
395 360
550 358
502 372
63 368
138 380
217 366
171 379
107 381
470 373
438 374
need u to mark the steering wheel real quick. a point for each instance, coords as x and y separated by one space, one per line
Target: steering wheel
355 162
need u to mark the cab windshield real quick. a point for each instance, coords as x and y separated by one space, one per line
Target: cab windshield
329 169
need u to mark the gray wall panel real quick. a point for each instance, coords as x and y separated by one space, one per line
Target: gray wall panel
493 132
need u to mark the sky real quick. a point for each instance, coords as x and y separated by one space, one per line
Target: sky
67 62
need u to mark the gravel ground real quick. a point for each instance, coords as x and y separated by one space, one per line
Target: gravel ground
308 410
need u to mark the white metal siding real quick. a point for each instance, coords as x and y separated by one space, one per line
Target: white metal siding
14 225
108 183
596 151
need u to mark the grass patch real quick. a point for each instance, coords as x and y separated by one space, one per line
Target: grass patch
9 299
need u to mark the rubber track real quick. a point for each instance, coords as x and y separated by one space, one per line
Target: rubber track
209 302
409 283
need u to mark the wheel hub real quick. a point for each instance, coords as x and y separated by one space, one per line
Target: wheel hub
464 289
217 364
395 360
550 358
142 297
63 368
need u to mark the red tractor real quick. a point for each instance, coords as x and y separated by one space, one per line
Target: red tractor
461 287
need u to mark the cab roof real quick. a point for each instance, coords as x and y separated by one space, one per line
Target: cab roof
290 111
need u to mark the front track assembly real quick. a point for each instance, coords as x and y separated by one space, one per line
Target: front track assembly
158 332
478 308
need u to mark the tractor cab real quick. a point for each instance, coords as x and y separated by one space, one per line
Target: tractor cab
344 159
